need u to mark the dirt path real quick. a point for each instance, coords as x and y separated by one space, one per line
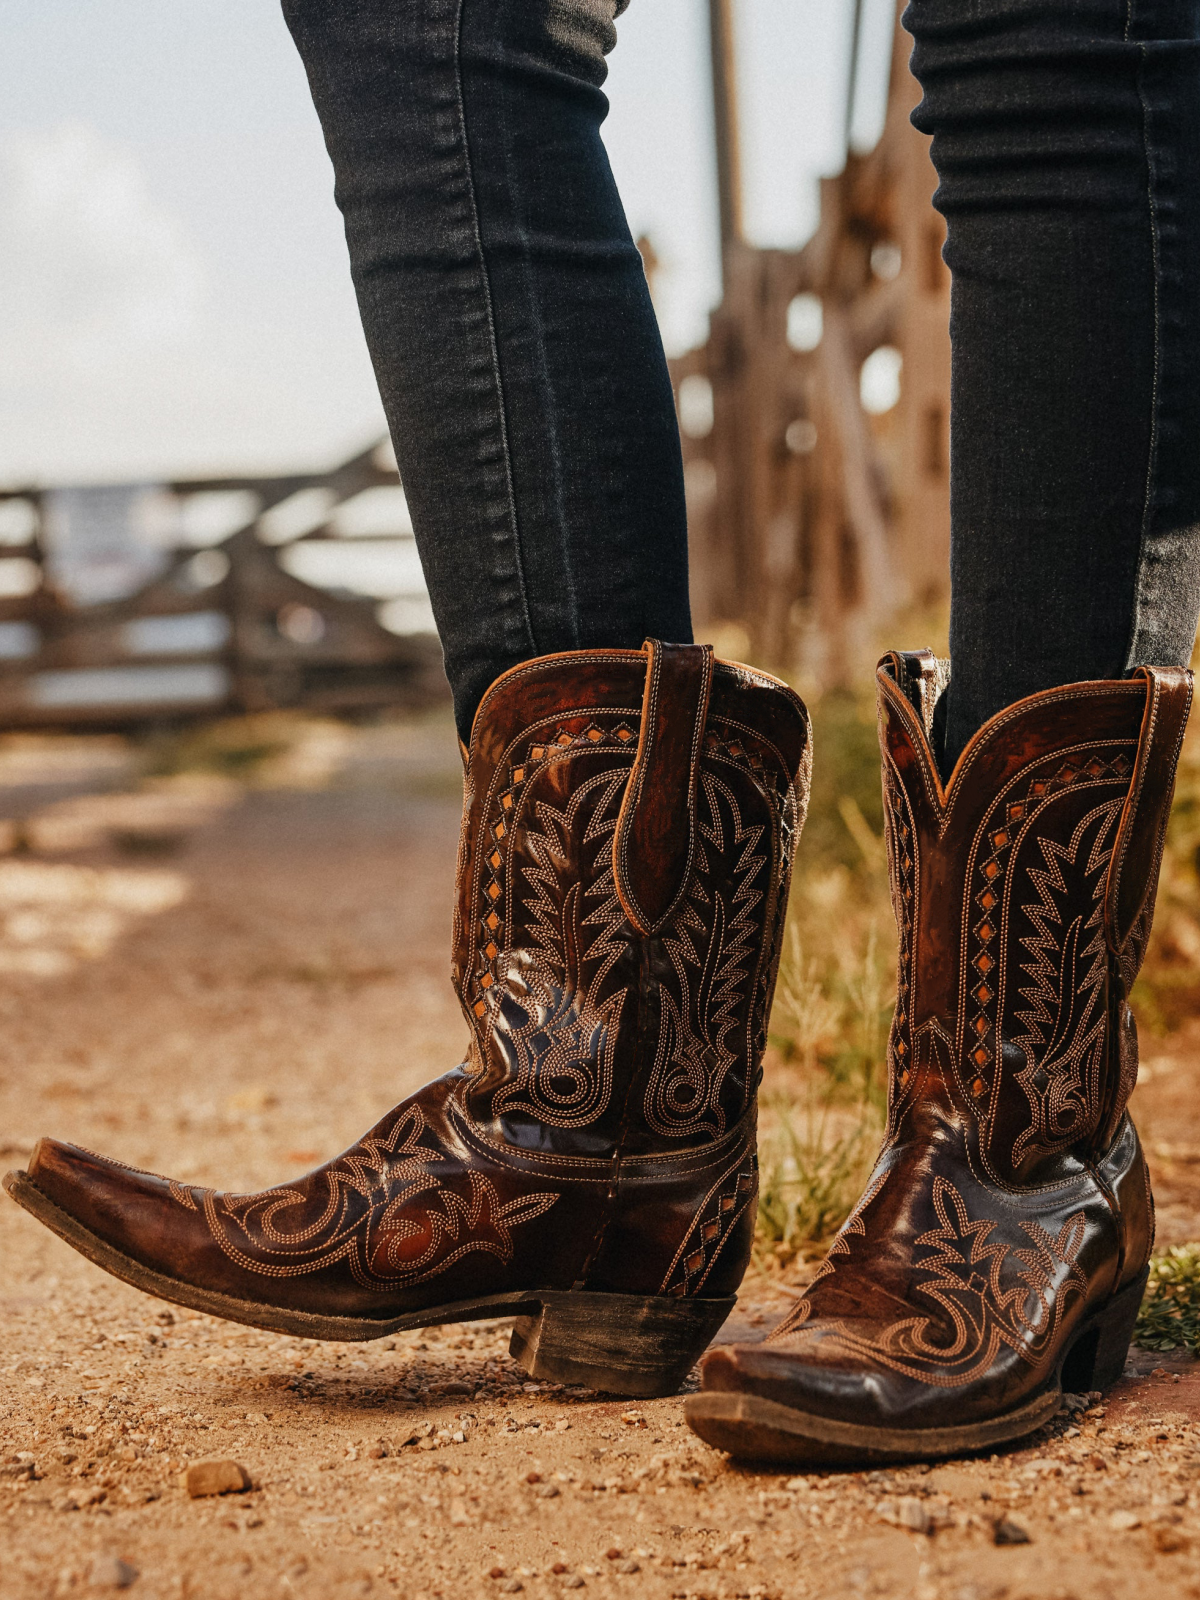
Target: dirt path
235 1010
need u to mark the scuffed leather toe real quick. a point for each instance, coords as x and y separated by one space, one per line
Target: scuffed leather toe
136 1213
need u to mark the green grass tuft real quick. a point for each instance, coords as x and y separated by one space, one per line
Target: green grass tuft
1170 1314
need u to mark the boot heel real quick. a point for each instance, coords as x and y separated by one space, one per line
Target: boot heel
622 1343
1097 1359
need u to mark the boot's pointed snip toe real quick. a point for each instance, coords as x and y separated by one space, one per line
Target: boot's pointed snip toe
999 1251
628 829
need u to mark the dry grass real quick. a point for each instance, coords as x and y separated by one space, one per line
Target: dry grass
1167 993
825 1086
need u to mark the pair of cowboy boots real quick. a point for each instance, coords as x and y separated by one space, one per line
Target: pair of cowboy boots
629 823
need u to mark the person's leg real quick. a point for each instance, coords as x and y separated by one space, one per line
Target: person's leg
509 321
1066 136
1000 1250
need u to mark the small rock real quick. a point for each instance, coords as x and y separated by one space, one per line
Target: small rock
1169 1540
217 1477
573 1582
912 1513
629 1566
614 1554
1124 1521
110 1572
1006 1532
377 1452
456 1388
511 1586
533 1477
497 1572
548 1491
559 1568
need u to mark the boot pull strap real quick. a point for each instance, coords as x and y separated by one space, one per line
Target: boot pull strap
656 829
1137 853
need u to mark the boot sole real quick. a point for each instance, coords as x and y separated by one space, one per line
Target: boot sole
642 1346
752 1428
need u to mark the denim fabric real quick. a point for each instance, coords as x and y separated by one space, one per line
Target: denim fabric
508 319
1066 136
511 329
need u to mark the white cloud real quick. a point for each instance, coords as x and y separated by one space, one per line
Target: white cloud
93 270
128 353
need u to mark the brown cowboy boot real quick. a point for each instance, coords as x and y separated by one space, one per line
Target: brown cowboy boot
999 1251
629 824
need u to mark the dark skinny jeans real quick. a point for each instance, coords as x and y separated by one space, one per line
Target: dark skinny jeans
523 378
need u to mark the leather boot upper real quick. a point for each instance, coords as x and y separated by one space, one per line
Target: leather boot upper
1010 1199
628 829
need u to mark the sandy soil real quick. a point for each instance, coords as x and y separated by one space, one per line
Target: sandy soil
230 984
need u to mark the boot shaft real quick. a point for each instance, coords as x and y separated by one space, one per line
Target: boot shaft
629 824
1023 891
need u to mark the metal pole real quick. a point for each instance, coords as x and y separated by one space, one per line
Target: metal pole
725 122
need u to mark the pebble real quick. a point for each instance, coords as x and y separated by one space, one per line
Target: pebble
110 1572
912 1513
1169 1540
1124 1521
575 1582
1006 1532
511 1586
217 1477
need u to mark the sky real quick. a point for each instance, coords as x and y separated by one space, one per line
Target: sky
174 291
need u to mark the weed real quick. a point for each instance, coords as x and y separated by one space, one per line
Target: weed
813 1162
823 1101
234 747
1170 1314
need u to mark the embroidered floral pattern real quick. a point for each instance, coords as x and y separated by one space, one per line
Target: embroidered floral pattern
986 1294
381 1209
711 949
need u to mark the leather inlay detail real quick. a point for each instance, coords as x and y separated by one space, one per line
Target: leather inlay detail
721 1209
1018 949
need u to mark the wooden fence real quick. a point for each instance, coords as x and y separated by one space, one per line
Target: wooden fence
217 627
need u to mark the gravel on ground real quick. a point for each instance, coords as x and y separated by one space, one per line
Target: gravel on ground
228 983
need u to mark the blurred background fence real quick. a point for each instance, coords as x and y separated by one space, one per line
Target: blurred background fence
815 425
